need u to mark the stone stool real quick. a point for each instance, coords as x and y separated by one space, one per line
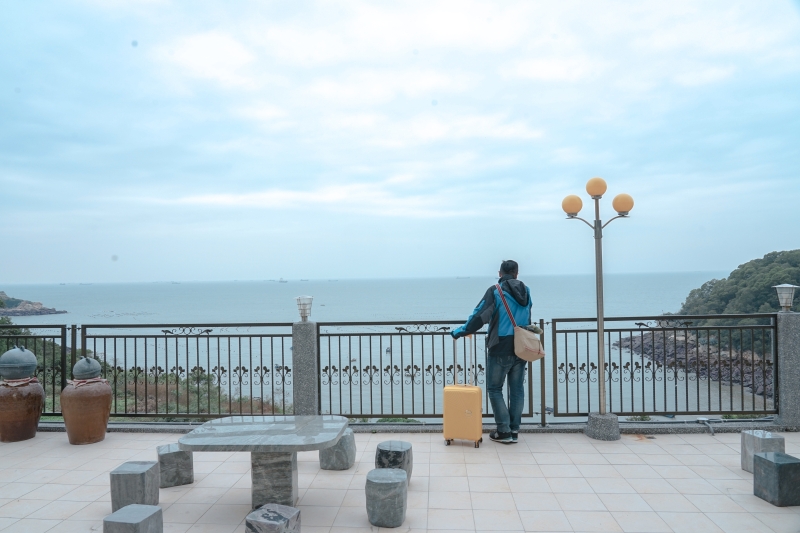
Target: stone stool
273 518
176 466
341 456
135 519
134 482
395 454
776 478
758 441
387 497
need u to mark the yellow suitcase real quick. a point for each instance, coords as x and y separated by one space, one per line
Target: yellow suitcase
463 409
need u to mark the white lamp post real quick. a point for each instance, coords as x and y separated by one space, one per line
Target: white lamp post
785 296
572 205
304 306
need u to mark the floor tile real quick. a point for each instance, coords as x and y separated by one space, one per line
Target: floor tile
610 485
492 501
681 522
672 503
638 522
570 485
586 502
737 522
625 502
545 521
449 500
600 521
780 523
497 520
535 501
450 519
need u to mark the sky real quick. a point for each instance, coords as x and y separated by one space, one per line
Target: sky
149 141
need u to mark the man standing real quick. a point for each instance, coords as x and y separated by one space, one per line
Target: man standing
501 362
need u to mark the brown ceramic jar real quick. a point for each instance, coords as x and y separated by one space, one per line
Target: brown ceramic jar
20 410
86 410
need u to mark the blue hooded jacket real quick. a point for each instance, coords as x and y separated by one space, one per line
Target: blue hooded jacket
491 310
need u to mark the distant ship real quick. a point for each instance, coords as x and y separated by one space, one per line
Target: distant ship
283 280
303 280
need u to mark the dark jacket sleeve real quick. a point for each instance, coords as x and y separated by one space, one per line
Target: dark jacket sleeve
480 316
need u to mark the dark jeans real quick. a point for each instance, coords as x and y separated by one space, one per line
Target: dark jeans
499 365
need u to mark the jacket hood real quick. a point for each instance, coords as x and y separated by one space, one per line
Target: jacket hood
515 288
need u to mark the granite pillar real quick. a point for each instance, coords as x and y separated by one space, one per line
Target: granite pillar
135 518
757 441
274 477
602 427
788 371
176 466
134 482
273 518
342 455
305 368
387 497
395 454
776 478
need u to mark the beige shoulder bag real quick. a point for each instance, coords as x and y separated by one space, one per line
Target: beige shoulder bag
527 344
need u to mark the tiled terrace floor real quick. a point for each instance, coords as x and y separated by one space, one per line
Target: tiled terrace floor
555 482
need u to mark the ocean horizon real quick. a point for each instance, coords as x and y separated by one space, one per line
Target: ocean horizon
366 300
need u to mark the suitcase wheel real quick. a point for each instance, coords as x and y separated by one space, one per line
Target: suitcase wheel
447 442
478 444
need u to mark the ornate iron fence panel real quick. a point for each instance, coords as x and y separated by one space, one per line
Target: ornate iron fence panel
196 370
657 365
50 345
390 370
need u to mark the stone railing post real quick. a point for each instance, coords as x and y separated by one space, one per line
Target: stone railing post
305 373
788 370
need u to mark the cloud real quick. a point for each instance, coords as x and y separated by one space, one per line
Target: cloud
213 55
704 76
363 198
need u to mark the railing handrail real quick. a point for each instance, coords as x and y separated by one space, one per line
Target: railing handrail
185 325
390 323
668 317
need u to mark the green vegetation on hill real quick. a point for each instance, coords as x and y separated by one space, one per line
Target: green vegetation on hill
748 289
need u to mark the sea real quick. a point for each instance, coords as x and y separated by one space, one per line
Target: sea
359 300
346 300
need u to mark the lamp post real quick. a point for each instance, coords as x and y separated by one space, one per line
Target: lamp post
785 296
304 306
605 427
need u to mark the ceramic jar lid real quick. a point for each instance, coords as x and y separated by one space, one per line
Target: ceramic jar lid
86 368
18 363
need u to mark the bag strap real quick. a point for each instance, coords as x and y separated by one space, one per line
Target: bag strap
505 303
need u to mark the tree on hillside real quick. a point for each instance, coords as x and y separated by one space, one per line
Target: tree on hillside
748 289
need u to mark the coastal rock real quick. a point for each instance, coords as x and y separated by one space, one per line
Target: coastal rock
15 307
682 351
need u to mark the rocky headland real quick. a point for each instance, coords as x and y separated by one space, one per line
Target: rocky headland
17 307
684 351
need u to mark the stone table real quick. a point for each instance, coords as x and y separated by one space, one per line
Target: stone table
273 443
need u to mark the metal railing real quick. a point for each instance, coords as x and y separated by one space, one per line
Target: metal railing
692 365
49 343
385 370
194 370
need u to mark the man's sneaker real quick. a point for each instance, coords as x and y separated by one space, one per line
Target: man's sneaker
503 438
514 436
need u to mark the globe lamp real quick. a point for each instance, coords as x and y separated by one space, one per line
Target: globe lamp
622 203
572 205
596 187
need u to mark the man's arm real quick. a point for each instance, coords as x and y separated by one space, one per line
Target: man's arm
480 316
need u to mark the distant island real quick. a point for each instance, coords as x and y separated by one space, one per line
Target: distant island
16 307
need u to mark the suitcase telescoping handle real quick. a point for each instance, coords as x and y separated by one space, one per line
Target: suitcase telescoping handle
471 375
